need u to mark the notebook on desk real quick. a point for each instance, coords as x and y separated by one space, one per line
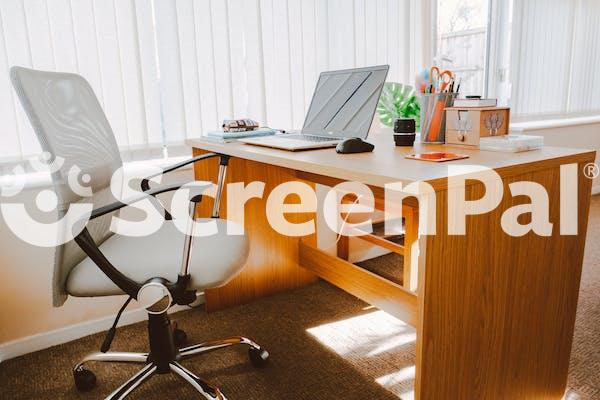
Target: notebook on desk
241 134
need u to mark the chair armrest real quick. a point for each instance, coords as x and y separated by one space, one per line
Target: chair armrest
145 185
133 199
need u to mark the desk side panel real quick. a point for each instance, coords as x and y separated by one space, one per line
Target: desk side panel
497 312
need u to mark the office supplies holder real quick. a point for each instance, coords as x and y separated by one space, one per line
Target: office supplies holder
433 116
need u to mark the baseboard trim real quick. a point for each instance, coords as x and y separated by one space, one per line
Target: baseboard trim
44 340
595 189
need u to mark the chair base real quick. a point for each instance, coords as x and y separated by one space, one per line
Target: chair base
164 357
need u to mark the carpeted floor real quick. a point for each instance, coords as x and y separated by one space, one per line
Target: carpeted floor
584 370
325 344
388 266
289 325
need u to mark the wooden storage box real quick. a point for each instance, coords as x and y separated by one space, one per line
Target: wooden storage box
464 126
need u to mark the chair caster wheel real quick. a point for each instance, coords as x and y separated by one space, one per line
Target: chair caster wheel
258 357
85 380
180 337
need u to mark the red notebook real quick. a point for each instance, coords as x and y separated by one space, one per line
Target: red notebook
437 156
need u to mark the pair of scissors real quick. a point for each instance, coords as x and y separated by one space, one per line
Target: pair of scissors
441 80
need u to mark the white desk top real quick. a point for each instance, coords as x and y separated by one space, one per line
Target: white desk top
387 163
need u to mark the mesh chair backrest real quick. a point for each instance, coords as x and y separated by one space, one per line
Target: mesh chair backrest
70 125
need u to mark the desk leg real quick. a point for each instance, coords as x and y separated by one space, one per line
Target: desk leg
411 226
272 264
343 247
497 313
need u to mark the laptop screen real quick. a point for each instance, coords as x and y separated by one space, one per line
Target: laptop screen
344 102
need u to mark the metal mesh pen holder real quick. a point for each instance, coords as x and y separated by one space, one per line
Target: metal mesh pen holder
433 116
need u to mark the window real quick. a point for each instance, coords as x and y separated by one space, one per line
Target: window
461 42
538 56
167 70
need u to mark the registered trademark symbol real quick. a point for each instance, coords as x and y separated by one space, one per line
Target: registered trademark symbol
591 170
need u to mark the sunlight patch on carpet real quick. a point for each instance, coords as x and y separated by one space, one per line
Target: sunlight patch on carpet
368 334
377 339
395 378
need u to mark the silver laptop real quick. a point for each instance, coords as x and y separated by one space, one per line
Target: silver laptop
342 106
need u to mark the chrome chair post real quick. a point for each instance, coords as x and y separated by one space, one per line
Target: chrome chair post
189 241
220 184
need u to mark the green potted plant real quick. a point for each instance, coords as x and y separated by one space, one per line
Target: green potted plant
398 101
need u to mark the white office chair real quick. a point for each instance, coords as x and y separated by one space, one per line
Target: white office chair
71 124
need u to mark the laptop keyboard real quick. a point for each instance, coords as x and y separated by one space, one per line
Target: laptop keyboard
310 138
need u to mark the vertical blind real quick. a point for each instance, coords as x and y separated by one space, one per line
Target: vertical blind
110 43
166 70
585 87
555 57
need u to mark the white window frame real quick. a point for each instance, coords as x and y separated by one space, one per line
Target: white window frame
499 56
498 51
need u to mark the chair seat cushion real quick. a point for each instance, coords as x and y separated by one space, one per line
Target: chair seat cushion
216 259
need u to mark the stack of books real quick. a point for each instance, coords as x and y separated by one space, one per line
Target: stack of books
222 136
475 102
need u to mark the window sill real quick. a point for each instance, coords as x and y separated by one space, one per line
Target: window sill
520 127
40 180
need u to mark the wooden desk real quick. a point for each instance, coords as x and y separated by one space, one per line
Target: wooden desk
494 313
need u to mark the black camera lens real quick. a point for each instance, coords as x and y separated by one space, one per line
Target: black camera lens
404 125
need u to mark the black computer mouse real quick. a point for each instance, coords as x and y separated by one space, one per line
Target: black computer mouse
354 145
